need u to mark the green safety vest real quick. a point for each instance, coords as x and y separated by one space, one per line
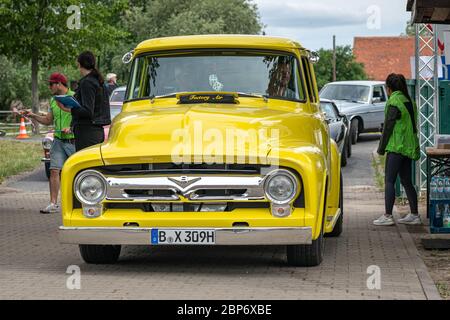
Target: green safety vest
61 119
403 139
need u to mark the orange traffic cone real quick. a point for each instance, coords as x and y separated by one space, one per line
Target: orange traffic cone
22 130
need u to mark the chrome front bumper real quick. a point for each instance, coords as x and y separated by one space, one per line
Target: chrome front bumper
224 236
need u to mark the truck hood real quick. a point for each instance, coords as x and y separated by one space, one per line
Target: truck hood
347 107
165 134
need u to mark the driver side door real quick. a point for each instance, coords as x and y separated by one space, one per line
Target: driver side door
377 104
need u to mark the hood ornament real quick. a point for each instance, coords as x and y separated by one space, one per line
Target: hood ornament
184 181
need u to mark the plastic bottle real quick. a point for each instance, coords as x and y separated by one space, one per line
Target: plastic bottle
447 188
440 187
446 218
437 220
433 188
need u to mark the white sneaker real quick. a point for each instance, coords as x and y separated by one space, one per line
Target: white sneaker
384 221
410 219
51 208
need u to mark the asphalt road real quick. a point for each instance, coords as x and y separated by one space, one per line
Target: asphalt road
35 182
359 170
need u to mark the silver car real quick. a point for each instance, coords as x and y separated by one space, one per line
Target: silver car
362 102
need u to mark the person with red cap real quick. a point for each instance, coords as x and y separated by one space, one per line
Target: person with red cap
63 144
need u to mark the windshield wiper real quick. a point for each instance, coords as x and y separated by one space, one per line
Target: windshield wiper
170 95
265 97
352 100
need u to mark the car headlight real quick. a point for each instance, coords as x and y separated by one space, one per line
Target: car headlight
47 143
90 187
281 186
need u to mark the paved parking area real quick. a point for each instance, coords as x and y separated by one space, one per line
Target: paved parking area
33 264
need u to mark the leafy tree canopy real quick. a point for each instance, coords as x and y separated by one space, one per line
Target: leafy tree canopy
35 35
346 66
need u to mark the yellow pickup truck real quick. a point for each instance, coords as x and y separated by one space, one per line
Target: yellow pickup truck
221 141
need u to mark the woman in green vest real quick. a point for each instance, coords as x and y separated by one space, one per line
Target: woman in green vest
401 144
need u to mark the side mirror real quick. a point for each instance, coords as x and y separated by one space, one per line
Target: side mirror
313 57
376 100
128 57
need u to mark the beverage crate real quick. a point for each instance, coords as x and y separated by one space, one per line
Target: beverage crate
438 189
439 216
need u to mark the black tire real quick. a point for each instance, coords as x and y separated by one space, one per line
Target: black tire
47 169
100 254
338 227
344 155
349 147
308 255
354 131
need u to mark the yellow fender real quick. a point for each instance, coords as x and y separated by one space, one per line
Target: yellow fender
334 186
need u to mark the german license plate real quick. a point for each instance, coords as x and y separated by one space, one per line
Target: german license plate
182 237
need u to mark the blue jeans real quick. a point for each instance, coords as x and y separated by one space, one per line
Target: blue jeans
59 153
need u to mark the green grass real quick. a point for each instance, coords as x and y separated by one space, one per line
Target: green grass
444 290
18 156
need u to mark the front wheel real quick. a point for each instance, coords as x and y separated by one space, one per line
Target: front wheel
344 154
354 132
100 254
349 147
306 255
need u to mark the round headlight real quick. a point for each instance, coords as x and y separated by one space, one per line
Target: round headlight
281 187
47 143
90 187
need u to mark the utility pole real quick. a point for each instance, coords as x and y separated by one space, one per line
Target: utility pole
334 58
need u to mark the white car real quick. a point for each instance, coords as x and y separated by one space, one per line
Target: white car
362 102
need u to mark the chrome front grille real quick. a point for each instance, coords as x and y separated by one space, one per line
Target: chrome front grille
192 188
181 169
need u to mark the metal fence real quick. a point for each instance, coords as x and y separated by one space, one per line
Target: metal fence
10 124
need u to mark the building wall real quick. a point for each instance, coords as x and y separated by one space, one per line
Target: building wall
384 55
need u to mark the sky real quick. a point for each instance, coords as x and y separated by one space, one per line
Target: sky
314 22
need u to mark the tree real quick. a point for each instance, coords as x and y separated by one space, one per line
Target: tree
35 34
162 18
346 66
410 29
145 19
14 83
39 32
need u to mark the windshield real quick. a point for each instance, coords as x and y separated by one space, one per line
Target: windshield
355 93
275 76
118 95
115 111
327 107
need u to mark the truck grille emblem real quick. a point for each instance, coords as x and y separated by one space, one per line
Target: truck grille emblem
184 181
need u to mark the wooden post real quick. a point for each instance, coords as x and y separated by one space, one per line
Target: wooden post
334 58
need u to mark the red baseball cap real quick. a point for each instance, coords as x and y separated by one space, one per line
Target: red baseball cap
57 77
